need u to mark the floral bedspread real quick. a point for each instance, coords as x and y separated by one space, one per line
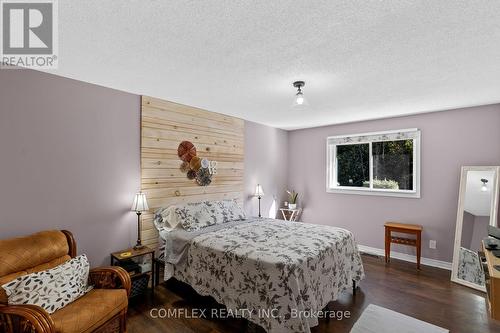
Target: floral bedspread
274 273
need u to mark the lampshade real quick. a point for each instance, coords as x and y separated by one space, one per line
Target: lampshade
259 192
484 188
140 203
299 98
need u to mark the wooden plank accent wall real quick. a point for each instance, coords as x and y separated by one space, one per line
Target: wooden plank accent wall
216 137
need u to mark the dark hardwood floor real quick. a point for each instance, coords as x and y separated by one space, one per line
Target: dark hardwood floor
427 295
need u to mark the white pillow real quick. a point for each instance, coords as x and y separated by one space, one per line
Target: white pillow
51 289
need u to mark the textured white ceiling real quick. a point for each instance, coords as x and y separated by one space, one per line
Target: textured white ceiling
360 59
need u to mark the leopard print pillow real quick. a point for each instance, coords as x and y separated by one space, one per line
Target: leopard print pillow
51 289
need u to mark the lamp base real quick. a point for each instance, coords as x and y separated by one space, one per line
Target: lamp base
259 197
139 247
138 244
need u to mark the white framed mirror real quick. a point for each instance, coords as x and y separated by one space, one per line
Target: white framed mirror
477 208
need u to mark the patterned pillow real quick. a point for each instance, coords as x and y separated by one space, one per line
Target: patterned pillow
231 211
198 215
52 289
166 218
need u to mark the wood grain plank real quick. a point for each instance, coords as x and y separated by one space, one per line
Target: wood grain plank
148 224
201 148
154 133
161 182
151 243
156 183
147 101
188 128
161 173
163 163
169 192
150 234
168 201
185 119
211 155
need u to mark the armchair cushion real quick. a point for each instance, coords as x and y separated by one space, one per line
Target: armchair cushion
90 311
51 289
48 265
23 253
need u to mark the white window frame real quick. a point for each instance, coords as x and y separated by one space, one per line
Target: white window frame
331 164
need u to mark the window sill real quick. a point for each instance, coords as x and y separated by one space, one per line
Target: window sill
379 192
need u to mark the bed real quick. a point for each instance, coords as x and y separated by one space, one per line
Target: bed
275 273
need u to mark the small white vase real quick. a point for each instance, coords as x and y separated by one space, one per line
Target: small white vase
292 206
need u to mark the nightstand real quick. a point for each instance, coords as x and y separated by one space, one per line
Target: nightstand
291 214
139 274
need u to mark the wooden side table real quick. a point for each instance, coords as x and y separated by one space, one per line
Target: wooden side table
119 258
492 281
413 229
291 214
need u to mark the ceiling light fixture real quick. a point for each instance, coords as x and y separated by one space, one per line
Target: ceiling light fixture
299 96
484 188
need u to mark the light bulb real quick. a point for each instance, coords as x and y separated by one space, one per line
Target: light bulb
484 188
300 99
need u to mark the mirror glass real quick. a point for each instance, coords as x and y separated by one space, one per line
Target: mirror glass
477 209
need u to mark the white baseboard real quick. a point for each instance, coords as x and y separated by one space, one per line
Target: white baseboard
405 257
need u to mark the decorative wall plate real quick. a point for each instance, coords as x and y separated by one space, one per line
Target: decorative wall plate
203 177
212 168
186 151
205 163
191 174
185 167
195 163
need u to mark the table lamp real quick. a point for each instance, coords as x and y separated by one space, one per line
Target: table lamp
259 193
140 205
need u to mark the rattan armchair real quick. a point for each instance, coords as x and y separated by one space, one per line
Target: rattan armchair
103 309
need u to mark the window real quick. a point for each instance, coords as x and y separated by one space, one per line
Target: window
384 163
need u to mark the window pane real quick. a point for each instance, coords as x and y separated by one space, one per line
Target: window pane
393 164
353 165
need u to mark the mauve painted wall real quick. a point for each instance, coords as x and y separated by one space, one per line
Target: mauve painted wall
450 139
70 160
266 164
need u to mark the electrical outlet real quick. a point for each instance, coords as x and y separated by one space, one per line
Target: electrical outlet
432 244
